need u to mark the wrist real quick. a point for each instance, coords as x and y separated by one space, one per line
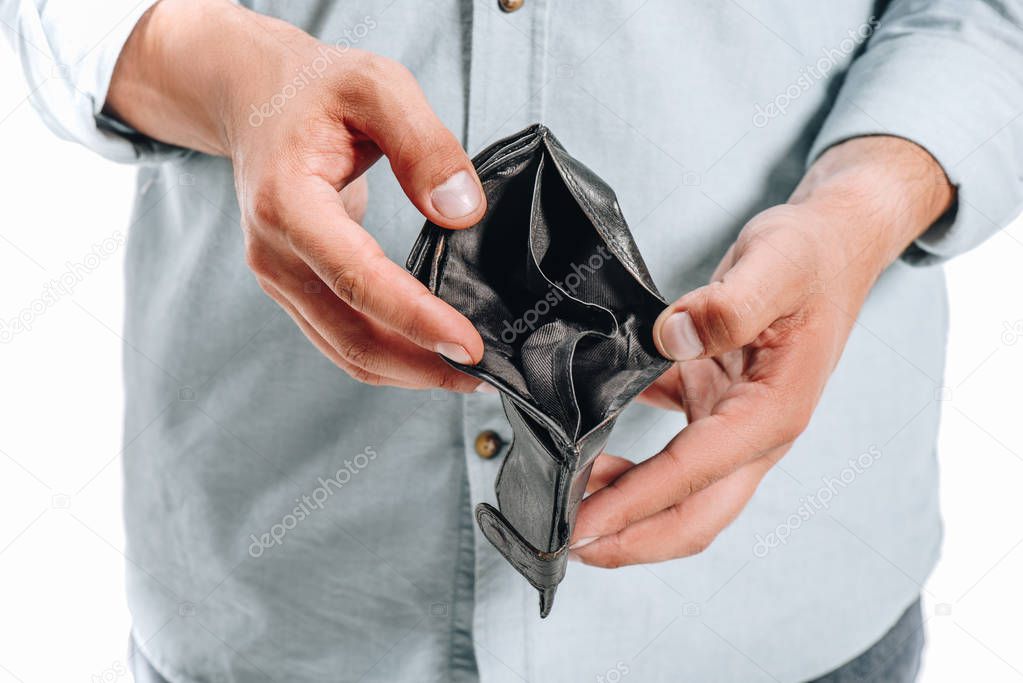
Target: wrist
188 68
875 195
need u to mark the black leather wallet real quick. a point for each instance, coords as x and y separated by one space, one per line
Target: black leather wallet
552 280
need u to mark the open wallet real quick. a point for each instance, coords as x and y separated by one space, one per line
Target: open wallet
553 282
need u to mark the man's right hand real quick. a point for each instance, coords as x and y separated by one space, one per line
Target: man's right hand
196 73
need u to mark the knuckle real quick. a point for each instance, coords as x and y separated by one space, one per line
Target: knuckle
445 162
795 424
758 228
358 62
349 284
613 553
416 315
620 515
768 226
726 318
359 90
267 286
358 352
448 381
439 158
368 77
700 541
364 376
695 476
695 482
263 207
432 158
378 67
258 259
392 69
697 539
674 457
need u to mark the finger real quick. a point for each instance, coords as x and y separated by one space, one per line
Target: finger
761 287
319 342
389 107
684 529
746 424
606 469
353 265
355 198
366 345
665 393
692 386
703 382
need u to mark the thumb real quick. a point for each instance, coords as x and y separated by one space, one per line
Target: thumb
427 160
730 313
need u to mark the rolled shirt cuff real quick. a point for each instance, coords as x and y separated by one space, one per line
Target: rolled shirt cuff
68 50
960 106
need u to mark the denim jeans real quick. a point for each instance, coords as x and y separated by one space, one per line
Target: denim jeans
895 658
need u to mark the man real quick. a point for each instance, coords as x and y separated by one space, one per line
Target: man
293 519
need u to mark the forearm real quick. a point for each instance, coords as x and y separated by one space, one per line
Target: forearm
184 73
878 194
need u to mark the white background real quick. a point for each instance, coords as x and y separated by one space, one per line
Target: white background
62 609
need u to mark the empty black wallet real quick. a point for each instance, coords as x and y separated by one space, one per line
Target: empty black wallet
552 280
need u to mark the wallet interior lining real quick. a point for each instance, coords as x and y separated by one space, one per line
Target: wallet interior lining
549 301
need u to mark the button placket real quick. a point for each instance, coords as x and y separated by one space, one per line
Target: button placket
486 435
503 97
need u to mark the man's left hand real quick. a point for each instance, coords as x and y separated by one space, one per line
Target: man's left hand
756 347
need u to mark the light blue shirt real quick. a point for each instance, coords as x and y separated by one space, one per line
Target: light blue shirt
285 522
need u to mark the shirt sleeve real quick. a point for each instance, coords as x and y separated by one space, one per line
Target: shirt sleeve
948 76
68 50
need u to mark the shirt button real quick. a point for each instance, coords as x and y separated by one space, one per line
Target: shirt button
511 5
488 443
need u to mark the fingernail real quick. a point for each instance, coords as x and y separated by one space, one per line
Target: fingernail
679 339
457 196
485 388
454 352
583 542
